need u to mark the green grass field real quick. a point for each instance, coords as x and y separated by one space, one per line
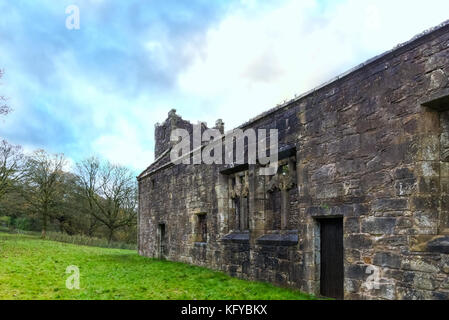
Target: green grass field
31 268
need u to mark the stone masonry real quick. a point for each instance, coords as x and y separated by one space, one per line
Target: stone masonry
371 147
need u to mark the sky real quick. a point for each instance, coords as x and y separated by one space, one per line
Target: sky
100 89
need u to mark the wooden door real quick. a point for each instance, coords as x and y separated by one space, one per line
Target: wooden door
332 271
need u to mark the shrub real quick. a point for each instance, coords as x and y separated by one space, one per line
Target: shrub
21 223
79 239
88 241
5 221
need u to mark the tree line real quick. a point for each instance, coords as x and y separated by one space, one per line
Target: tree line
96 198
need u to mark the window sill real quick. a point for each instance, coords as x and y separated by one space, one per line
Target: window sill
200 244
282 240
236 237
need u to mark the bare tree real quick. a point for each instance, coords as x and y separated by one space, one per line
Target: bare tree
12 161
4 108
87 173
111 192
45 177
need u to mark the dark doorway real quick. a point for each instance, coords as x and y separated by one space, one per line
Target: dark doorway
202 228
162 244
332 272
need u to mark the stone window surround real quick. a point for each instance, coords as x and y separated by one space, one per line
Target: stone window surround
284 181
238 184
198 236
444 158
162 238
438 102
280 237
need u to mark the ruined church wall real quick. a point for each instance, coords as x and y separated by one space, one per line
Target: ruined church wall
367 151
173 197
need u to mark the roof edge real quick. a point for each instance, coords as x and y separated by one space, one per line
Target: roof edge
374 60
349 72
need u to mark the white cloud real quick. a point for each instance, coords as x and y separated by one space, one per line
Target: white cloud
109 124
122 126
251 62
124 149
254 58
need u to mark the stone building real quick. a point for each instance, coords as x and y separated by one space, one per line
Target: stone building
359 208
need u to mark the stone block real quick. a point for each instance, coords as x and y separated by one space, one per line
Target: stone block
405 187
358 241
439 244
328 191
351 225
389 205
425 203
407 293
356 272
428 185
352 286
378 225
387 259
325 173
404 174
420 280
419 264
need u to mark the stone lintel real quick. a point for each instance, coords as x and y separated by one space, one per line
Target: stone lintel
284 152
438 101
287 151
234 168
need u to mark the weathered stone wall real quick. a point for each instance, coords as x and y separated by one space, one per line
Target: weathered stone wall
366 149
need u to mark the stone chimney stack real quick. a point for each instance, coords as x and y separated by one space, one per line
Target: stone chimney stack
163 131
219 124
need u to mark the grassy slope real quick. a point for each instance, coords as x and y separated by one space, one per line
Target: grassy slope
31 268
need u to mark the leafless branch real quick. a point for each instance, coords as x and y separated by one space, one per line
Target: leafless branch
4 108
12 166
44 175
112 192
